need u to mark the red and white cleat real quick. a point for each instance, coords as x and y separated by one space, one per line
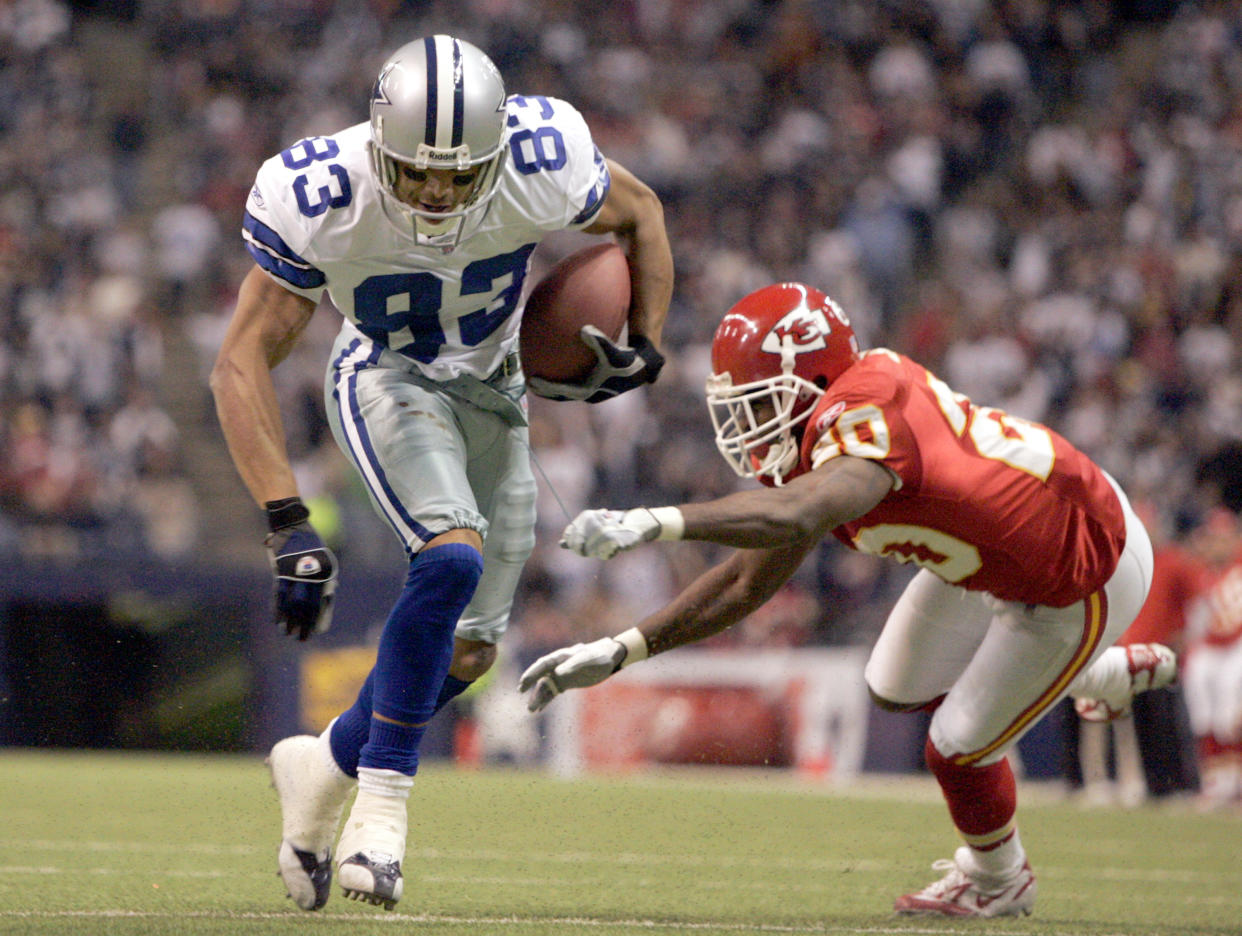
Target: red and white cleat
959 894
1148 666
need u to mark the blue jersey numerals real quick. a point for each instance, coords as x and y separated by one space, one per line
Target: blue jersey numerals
405 311
505 273
335 192
402 311
540 149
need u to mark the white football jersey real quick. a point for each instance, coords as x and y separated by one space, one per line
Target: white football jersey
315 221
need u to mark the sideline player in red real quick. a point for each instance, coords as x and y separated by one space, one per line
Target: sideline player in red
1152 747
1213 661
1032 561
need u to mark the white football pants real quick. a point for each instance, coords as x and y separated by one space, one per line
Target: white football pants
433 462
1000 665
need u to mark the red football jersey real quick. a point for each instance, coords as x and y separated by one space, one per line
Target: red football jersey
983 499
1177 577
1223 603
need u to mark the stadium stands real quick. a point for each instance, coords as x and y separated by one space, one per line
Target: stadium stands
1041 200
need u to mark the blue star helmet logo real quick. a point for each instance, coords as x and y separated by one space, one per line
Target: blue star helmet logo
378 93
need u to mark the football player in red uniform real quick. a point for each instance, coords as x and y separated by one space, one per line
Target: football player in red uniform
1213 660
1031 560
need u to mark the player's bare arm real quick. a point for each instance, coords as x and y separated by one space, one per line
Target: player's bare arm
775 528
722 596
717 599
267 323
634 213
806 508
801 511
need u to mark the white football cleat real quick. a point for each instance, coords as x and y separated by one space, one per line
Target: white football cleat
973 894
312 792
1147 666
372 847
373 878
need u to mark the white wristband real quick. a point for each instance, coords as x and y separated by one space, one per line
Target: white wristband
635 646
672 523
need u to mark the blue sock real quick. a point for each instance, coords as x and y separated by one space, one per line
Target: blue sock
452 688
351 728
415 650
393 746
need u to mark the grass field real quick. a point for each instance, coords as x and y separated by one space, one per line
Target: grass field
106 844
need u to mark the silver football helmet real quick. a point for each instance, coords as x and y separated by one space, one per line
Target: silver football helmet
438 103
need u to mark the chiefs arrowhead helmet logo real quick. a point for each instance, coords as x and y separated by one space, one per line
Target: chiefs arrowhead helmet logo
807 329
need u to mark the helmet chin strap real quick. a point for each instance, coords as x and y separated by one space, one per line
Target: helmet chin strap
776 464
445 235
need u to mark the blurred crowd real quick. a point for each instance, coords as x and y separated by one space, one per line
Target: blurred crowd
1039 199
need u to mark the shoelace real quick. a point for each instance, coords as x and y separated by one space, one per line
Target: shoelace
954 876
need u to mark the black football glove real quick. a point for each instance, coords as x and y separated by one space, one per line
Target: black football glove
618 368
304 567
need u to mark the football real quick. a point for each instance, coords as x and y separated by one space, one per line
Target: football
589 287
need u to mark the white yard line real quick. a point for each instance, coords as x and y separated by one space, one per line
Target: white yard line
54 847
573 923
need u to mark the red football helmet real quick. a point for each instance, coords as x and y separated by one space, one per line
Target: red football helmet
774 354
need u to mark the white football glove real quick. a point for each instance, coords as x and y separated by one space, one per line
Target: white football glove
601 534
580 666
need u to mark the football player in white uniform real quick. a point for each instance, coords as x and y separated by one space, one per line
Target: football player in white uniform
419 225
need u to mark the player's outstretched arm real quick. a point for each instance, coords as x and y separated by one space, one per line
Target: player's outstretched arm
719 598
805 509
